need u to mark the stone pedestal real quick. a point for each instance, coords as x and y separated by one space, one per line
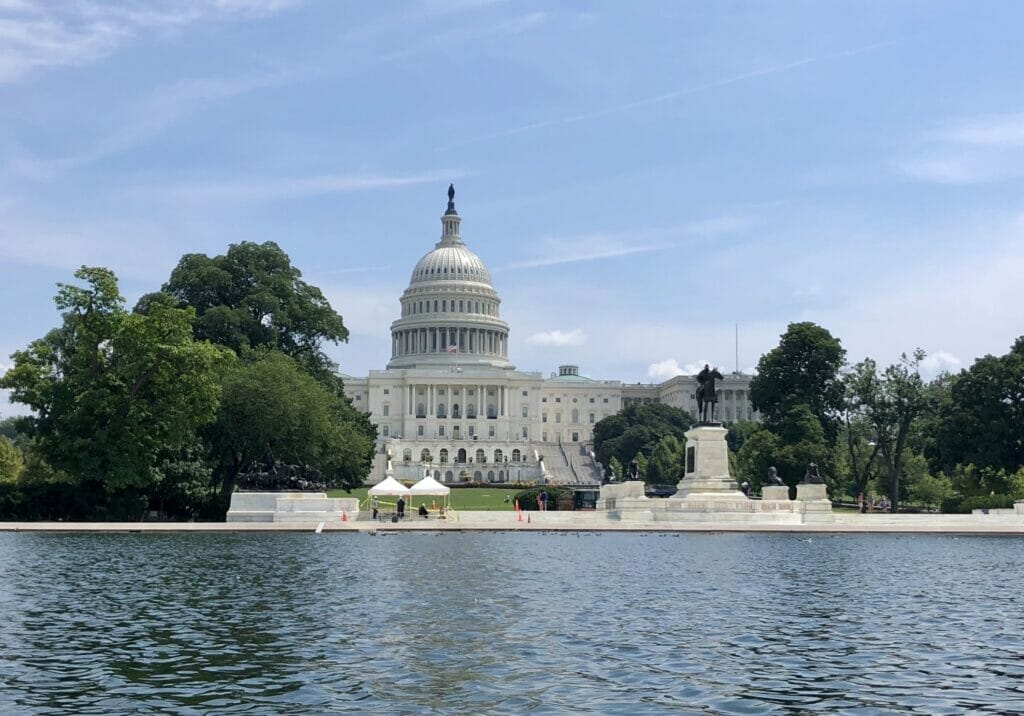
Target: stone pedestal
817 506
307 507
707 467
626 500
775 492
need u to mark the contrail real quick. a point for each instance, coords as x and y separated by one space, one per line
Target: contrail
668 96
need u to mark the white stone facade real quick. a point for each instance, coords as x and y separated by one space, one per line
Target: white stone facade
450 402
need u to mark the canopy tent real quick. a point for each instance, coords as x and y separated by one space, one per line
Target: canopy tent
429 486
388 486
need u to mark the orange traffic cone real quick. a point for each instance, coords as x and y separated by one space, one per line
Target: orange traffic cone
344 516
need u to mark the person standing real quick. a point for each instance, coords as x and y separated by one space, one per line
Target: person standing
375 506
400 508
542 501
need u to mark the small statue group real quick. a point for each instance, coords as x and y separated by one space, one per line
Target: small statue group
275 476
811 477
773 478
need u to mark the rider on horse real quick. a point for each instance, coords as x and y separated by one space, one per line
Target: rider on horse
706 393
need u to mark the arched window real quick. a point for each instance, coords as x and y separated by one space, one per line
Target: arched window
461 455
425 455
490 476
477 476
498 456
455 410
471 410
435 305
444 454
491 411
516 455
407 455
440 410
501 476
437 474
448 476
421 410
480 455
575 415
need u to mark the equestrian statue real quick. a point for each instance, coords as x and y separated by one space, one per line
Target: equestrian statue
706 393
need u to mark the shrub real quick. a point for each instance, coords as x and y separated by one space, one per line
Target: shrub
528 498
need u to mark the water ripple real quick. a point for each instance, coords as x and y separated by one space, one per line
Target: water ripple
510 623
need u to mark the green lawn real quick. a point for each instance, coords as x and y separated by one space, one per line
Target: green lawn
462 498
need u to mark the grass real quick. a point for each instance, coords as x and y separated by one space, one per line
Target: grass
462 498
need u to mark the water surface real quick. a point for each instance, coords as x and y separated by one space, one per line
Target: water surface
510 623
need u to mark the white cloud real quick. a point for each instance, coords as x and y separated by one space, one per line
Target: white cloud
669 368
940 362
557 338
974 150
36 34
1001 130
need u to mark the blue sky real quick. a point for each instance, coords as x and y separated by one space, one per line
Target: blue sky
640 177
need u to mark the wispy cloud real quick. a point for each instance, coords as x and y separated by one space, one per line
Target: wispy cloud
37 34
149 117
556 251
970 150
558 339
671 95
249 189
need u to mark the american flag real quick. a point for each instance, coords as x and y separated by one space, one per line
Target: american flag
453 348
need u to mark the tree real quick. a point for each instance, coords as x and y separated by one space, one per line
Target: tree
637 429
983 421
11 461
666 464
270 403
802 370
739 432
251 298
112 390
890 401
616 468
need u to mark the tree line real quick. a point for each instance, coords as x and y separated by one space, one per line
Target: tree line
160 408
954 442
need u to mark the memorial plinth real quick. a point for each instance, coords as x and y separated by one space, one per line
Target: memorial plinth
706 475
308 507
816 505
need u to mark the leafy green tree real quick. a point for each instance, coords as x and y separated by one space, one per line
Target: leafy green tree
666 464
802 371
11 461
642 464
739 432
983 421
616 467
890 401
932 490
111 390
253 297
637 429
270 403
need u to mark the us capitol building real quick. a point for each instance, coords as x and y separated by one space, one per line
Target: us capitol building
451 404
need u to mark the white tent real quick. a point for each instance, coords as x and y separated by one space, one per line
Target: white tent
429 486
388 486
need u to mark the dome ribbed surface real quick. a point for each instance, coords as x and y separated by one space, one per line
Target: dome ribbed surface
450 262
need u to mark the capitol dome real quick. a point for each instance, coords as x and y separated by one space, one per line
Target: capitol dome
451 261
450 309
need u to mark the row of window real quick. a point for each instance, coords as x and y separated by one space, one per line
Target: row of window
484 308
462 455
592 418
575 437
385 431
575 400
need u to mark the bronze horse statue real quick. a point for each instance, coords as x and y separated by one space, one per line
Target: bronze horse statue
706 393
